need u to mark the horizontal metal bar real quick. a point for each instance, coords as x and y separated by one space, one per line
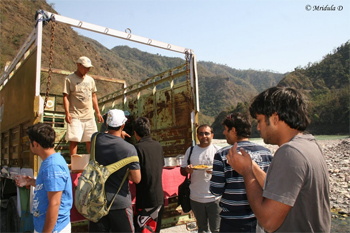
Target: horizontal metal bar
96 77
118 34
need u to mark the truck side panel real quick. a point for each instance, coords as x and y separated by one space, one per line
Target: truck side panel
18 103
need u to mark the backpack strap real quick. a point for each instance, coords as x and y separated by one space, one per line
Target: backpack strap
189 156
124 178
121 163
116 166
189 161
92 147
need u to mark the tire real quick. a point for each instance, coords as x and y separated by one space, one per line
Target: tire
13 219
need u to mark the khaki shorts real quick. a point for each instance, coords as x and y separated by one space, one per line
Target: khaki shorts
80 130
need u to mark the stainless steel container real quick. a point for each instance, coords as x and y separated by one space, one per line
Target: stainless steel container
170 162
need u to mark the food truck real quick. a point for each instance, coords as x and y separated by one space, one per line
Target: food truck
169 99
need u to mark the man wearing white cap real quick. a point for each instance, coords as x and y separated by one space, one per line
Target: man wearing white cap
110 148
79 99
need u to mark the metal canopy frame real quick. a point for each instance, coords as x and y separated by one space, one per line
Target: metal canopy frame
115 33
36 36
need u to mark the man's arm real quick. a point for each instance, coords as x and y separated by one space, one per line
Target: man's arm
269 213
95 106
66 108
259 174
135 176
186 170
52 210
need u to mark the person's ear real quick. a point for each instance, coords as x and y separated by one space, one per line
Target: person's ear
275 118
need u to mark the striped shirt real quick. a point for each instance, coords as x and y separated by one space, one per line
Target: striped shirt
228 184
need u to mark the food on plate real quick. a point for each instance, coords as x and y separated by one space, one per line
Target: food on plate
201 166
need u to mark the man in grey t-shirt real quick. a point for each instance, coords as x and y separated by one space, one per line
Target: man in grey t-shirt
295 193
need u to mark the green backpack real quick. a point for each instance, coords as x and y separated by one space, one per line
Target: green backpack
90 197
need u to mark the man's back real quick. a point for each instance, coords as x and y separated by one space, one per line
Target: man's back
299 169
110 149
228 183
149 192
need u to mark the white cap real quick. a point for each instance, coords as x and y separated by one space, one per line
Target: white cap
116 118
85 61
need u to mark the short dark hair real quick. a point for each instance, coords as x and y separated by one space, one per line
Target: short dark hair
286 102
43 134
113 128
142 126
240 122
205 125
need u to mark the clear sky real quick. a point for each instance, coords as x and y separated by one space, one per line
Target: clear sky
276 35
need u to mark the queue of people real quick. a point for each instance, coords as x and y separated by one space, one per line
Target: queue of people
247 190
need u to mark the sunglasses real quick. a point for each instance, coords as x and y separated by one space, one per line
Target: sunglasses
204 133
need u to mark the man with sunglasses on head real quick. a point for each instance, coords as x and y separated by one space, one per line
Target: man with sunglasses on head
205 205
236 214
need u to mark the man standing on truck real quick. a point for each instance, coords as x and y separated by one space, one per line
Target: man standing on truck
204 204
53 197
110 148
236 214
79 99
149 192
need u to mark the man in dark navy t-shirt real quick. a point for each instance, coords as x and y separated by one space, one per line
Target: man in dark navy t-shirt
110 148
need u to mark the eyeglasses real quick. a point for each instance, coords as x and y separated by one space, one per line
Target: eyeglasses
204 133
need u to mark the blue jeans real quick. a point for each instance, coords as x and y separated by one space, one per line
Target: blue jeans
207 213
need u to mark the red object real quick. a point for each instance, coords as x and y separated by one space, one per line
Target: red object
75 216
171 181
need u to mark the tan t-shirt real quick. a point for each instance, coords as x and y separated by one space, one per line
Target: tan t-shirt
80 95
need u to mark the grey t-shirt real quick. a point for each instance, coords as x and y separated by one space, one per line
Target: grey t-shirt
110 149
298 177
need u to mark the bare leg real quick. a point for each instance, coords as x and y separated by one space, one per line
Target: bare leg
88 144
73 148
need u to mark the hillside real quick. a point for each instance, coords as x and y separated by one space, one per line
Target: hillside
221 89
325 85
220 86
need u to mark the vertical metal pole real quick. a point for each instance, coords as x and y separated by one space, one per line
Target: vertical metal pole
39 36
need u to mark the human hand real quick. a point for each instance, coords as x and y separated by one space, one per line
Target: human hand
23 180
189 169
125 134
68 118
99 118
239 161
209 170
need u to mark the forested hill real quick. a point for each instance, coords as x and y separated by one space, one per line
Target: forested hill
325 85
220 86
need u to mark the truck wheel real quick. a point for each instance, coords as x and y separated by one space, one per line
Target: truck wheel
12 215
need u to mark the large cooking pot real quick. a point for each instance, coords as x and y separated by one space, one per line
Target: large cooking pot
170 162
180 159
79 162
